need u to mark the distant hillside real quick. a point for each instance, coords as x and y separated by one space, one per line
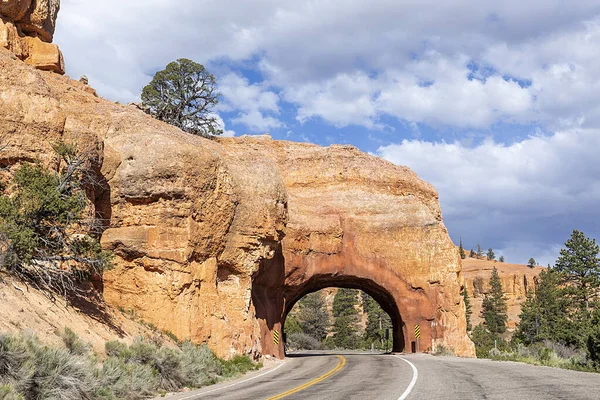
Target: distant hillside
517 280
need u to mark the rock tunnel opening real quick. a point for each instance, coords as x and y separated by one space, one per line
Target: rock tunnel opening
379 294
273 297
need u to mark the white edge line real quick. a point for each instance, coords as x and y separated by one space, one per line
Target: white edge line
197 395
412 382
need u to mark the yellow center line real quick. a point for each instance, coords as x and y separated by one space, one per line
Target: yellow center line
338 367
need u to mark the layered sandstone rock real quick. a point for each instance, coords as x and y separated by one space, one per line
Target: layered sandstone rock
517 280
215 240
27 28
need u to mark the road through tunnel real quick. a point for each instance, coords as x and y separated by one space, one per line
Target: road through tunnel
384 299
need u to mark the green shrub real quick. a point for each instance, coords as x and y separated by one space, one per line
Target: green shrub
237 365
199 365
34 371
13 355
593 346
123 380
302 341
8 392
41 372
117 349
168 365
73 343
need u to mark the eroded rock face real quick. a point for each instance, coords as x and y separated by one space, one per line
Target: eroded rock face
27 28
359 221
517 280
215 240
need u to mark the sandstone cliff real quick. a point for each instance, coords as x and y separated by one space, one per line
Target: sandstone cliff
27 28
517 280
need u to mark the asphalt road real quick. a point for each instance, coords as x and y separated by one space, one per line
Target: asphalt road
319 375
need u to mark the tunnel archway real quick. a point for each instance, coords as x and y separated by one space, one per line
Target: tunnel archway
378 293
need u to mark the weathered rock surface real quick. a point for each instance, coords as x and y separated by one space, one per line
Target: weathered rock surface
517 280
27 28
216 240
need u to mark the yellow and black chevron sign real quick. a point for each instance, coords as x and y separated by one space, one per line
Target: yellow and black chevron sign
417 331
276 336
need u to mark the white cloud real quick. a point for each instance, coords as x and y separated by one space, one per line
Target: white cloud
251 101
525 198
355 61
221 124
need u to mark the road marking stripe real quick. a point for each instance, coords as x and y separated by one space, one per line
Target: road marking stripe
338 367
195 396
412 382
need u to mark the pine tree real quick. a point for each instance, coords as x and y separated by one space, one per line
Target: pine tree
378 321
531 263
461 250
543 314
292 325
490 254
494 306
468 308
479 252
346 319
579 268
312 315
472 253
501 259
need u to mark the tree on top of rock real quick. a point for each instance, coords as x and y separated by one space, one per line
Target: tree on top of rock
490 254
183 95
461 250
531 263
479 252
494 306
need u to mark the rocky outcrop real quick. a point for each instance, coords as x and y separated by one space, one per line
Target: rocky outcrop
517 280
216 240
27 28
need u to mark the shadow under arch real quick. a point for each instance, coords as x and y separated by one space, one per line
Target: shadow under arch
317 282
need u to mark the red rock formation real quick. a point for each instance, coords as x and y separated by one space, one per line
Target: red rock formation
27 28
517 280
216 240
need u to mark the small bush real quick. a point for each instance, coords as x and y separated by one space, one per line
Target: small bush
30 370
73 343
237 365
199 365
8 392
168 365
441 350
302 341
117 349
13 355
123 380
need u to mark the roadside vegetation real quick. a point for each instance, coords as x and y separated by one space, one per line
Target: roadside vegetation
560 320
48 236
32 370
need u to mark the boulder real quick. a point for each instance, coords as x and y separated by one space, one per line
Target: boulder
27 28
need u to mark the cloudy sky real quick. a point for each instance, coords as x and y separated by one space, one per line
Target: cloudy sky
496 103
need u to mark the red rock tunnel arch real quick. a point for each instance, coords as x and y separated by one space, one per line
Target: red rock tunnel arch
280 283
